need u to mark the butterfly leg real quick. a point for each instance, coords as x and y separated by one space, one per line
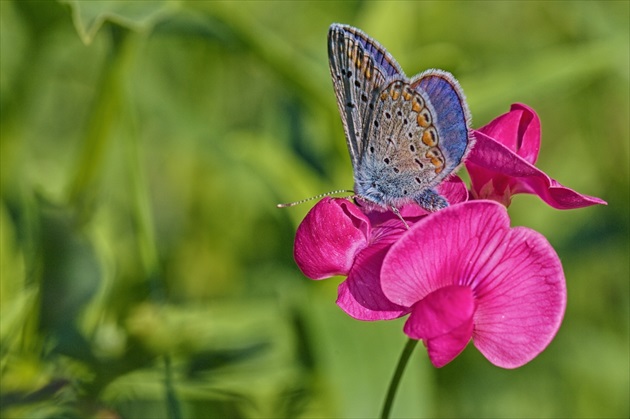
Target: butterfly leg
395 211
431 201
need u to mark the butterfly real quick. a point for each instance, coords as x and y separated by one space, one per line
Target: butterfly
404 136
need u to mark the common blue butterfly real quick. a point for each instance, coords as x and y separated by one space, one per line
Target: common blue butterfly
405 136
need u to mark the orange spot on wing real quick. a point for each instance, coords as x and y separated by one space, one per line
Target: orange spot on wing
436 158
416 106
406 93
395 93
429 137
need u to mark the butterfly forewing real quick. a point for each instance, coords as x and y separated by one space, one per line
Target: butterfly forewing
358 66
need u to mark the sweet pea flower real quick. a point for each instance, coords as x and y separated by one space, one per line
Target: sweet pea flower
463 273
501 163
338 237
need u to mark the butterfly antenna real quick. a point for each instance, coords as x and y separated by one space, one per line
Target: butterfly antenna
292 204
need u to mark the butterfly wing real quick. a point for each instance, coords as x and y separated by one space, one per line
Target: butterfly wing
418 136
451 116
359 66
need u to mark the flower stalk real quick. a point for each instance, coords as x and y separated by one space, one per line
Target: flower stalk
394 383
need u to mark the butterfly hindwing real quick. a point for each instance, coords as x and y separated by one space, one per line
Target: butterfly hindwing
417 137
401 157
452 117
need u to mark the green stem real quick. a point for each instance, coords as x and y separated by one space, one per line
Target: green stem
100 122
172 404
393 385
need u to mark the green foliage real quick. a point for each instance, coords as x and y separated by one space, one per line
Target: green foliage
145 271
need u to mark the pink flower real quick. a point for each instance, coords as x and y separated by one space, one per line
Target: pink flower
501 164
338 238
463 273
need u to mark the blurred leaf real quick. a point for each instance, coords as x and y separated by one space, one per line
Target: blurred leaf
207 361
544 75
273 48
41 394
141 16
13 40
70 277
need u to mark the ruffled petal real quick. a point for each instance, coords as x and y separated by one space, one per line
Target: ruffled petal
444 321
515 276
330 237
518 130
360 295
454 190
443 349
521 299
497 173
434 252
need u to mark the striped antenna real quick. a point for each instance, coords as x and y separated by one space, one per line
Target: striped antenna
292 204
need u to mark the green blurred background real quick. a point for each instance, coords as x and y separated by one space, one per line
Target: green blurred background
146 272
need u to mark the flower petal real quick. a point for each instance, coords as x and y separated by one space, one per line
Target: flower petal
454 190
521 300
329 238
444 320
518 130
434 252
497 173
515 276
360 295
